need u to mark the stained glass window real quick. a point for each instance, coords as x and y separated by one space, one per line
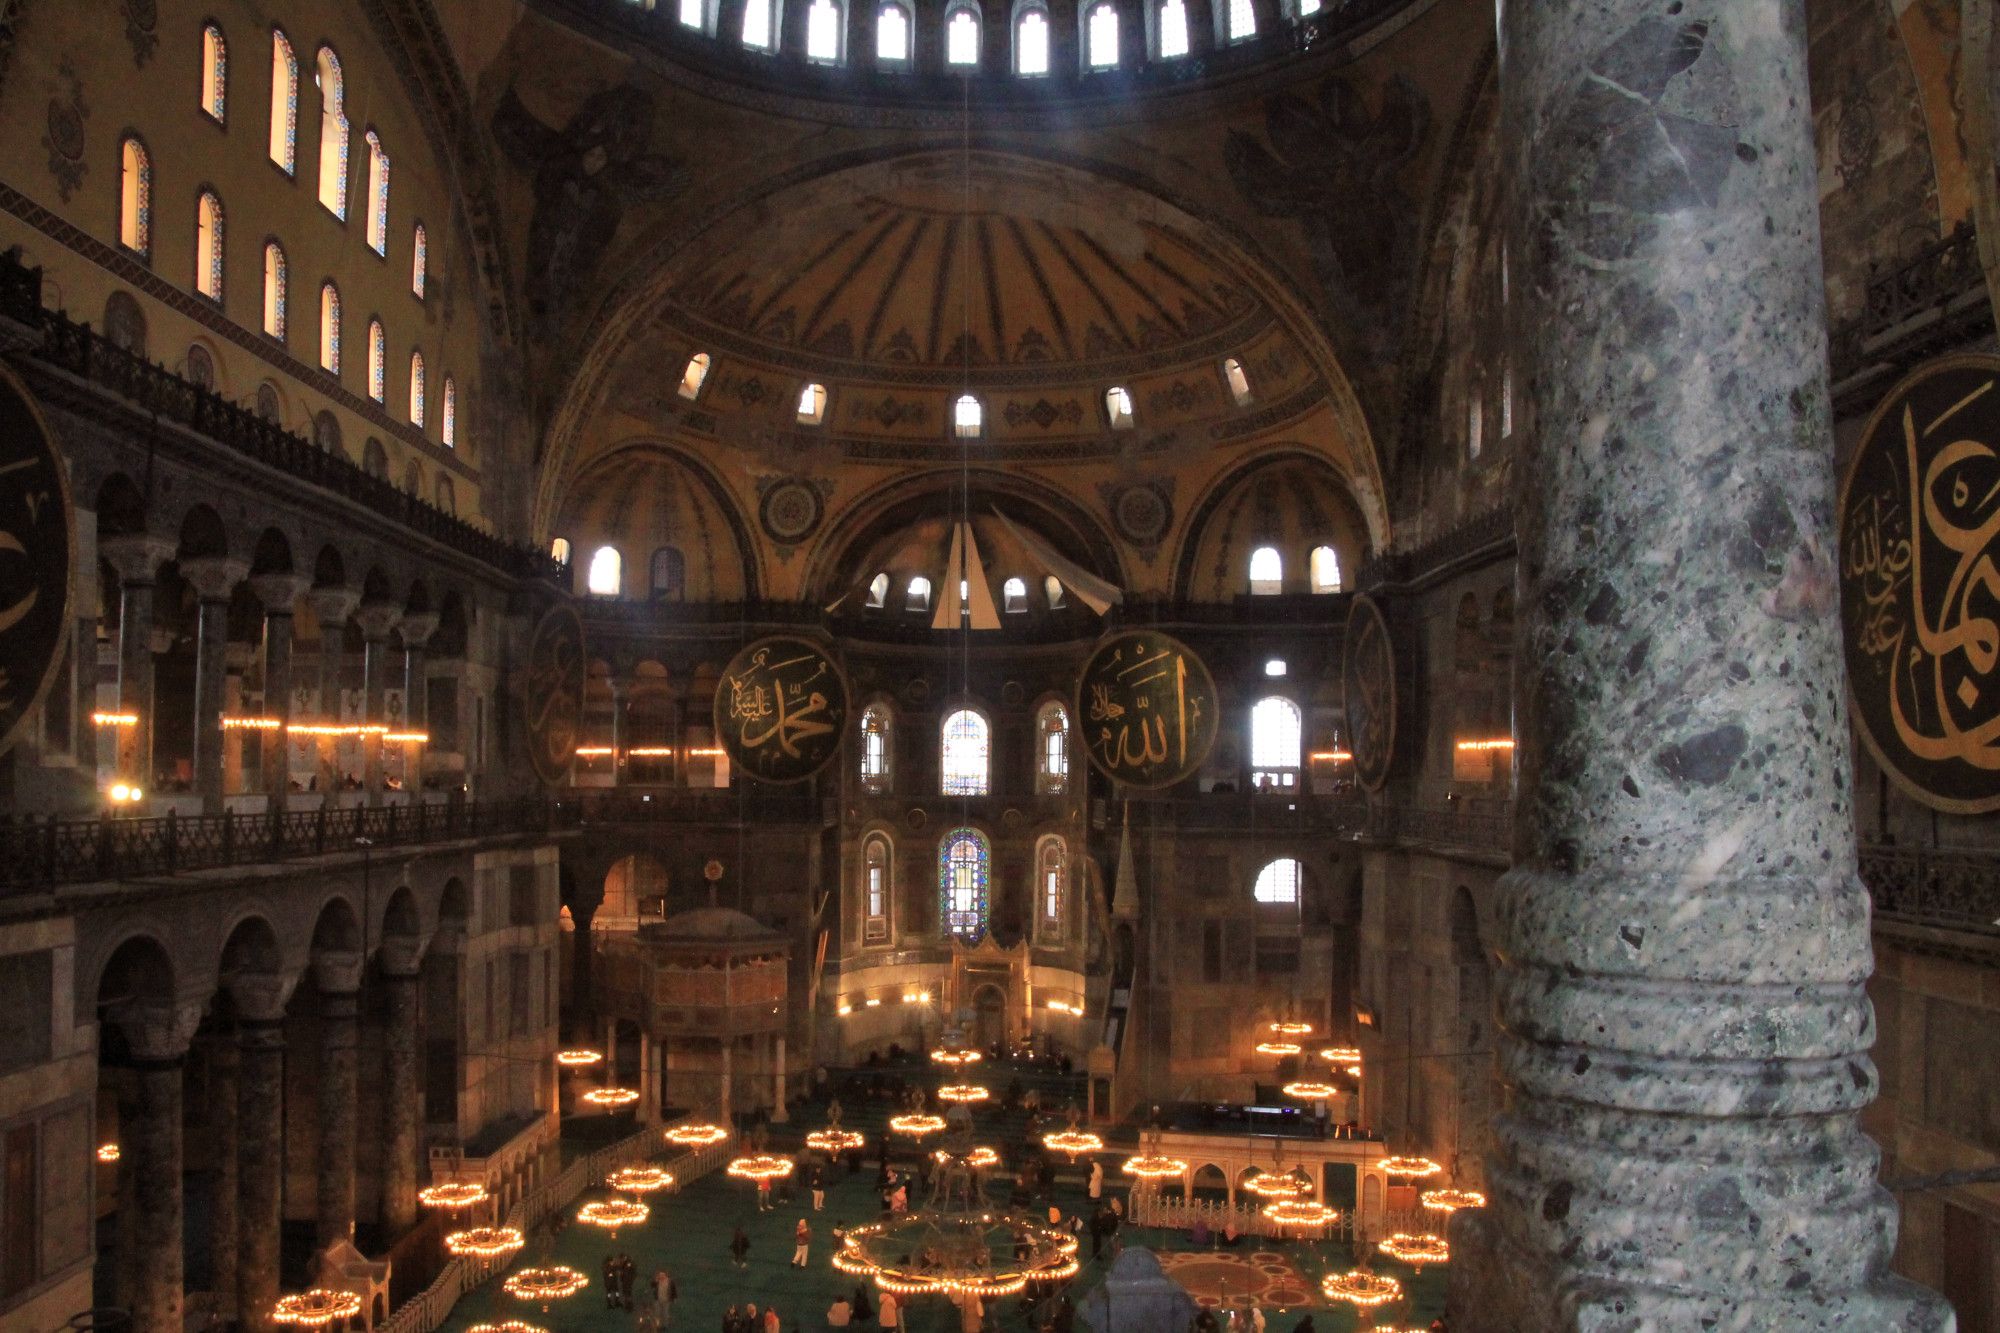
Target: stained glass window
963 862
1104 36
876 857
417 389
967 754
1031 42
135 198
961 42
875 749
274 290
208 247
823 24
892 35
1052 766
1053 871
419 257
284 104
1278 882
378 195
329 328
214 71
332 133
448 426
378 362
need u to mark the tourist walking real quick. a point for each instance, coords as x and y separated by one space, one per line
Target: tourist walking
664 1292
864 1312
801 1238
818 1189
739 1247
764 1195
1096 1181
628 1273
611 1282
771 1323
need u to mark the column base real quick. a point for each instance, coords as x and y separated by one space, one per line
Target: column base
1496 1288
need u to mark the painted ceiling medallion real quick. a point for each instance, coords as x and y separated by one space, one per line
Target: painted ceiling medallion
791 510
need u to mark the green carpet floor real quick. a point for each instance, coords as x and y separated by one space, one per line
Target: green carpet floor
688 1235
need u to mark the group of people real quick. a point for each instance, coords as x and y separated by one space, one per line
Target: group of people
654 1306
746 1320
856 1311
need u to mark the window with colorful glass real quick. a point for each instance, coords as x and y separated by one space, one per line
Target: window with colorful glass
329 328
965 860
135 198
378 195
284 104
419 258
378 362
875 750
208 246
876 859
214 72
966 755
332 133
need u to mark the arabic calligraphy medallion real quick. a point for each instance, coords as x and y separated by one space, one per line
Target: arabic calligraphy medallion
1368 684
781 709
1919 585
37 550
1149 709
554 693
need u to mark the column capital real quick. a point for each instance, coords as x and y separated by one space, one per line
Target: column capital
401 959
338 971
279 592
157 1031
261 997
417 629
137 557
377 619
214 577
332 606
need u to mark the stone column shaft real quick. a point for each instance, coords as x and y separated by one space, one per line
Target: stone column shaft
377 619
339 1075
225 1214
331 607
400 1104
153 1140
779 1115
260 1136
1683 1032
135 679
279 593
213 581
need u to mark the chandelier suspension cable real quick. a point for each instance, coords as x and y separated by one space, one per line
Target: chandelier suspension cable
962 573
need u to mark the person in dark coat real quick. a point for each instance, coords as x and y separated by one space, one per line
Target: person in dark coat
611 1282
739 1248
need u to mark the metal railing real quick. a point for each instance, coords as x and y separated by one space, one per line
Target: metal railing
1952 889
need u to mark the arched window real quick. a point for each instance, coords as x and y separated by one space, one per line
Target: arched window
892 35
1267 571
417 390
559 550
135 198
1308 8
1237 380
448 425
1104 35
214 73
1475 420
1118 407
824 24
965 761
606 576
274 290
694 14
1053 589
378 195
918 598
692 376
378 362
1031 42
760 28
332 133
875 725
375 459
1278 882
419 260
1242 20
284 104
669 581
876 860
964 858
1051 750
1014 595
1173 29
967 415
878 591
329 328
1325 569
812 404
1276 735
961 37
208 246
1052 878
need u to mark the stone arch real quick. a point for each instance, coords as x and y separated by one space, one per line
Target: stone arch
202 534
632 885
1209 1181
121 507
336 928
646 493
139 970
1288 497
272 553
329 568
250 948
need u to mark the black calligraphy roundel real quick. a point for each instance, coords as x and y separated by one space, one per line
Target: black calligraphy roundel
554 692
1920 587
1148 709
781 709
1368 683
37 552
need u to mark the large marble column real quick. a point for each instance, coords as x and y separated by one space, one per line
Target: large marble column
137 560
416 631
376 619
279 593
157 1036
225 1230
1683 1033
213 580
331 608
338 976
401 1095
260 1132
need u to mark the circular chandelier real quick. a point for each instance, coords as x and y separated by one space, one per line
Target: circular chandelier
916 1125
1409 1168
696 1136
555 1283
1450 1201
613 1213
1073 1141
1301 1213
484 1242
639 1179
578 1059
1340 1055
1277 1048
1307 1091
760 1166
452 1194
507 1326
956 1059
107 1152
1278 1184
317 1308
963 1092
987 1254
1416 1250
976 1158
1292 1029
1361 1288
834 1139
1151 1166
610 1098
